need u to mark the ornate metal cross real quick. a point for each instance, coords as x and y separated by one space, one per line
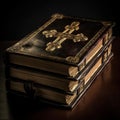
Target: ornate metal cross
62 36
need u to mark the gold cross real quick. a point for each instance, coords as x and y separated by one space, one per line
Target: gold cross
62 36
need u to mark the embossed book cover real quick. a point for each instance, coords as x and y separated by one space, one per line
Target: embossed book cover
58 62
61 45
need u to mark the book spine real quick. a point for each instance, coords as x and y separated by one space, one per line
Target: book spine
107 54
107 36
102 41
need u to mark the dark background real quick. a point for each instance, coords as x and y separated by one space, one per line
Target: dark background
20 18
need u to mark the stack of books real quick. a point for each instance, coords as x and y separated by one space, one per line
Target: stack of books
59 61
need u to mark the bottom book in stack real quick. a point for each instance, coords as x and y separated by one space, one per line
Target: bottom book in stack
60 92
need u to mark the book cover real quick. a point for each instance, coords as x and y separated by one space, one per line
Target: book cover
60 44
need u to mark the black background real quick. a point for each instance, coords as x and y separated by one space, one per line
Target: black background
22 17
18 18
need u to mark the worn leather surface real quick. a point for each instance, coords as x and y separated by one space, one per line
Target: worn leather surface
36 44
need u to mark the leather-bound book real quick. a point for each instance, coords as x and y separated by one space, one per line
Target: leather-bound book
61 82
62 45
42 88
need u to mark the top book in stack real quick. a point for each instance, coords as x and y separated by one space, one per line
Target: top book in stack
63 45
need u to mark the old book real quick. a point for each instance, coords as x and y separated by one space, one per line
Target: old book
66 84
54 96
62 45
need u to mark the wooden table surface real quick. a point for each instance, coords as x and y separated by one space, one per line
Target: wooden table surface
101 101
